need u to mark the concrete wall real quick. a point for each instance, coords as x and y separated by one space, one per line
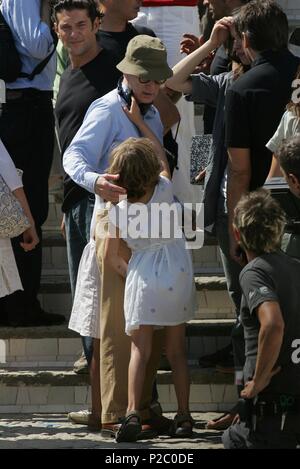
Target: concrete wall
292 9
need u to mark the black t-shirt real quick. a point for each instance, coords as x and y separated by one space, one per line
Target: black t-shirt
273 277
116 42
80 87
254 106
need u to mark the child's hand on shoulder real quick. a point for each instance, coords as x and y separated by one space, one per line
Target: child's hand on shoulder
134 113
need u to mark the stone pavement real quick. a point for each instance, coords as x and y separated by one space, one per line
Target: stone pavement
54 431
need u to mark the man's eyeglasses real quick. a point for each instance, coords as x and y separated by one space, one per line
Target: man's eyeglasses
158 82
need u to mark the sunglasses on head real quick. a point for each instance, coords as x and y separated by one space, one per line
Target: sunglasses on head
158 82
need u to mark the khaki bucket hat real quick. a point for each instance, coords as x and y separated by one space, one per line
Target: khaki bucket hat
146 57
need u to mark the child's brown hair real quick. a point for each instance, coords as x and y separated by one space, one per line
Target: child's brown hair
136 162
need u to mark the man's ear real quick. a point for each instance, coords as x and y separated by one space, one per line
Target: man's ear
55 27
96 24
236 234
295 181
246 41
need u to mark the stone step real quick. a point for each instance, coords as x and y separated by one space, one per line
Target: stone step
212 296
64 391
55 254
58 346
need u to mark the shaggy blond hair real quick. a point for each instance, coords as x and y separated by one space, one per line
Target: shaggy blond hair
260 221
136 162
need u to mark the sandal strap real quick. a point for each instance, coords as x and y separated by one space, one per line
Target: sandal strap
182 418
132 415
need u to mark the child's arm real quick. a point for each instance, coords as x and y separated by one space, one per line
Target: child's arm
134 114
111 254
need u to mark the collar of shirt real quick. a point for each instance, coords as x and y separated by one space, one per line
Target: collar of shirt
271 56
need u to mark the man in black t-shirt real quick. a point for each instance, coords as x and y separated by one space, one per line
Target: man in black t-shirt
270 405
256 101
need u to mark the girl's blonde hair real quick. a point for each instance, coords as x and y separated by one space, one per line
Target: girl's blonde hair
260 221
136 162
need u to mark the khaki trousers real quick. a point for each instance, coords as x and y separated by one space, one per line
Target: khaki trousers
114 343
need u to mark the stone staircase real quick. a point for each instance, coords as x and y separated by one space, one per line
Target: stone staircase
36 363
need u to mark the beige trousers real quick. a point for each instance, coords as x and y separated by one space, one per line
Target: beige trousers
114 343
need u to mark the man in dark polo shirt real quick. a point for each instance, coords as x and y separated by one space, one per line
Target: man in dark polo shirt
270 405
256 101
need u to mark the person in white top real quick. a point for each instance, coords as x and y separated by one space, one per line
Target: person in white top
9 275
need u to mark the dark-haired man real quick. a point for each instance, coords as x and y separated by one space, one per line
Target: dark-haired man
254 106
288 155
256 102
289 159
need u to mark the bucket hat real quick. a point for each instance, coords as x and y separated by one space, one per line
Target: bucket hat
146 57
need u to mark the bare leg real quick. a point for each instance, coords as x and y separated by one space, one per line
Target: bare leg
176 354
141 344
95 381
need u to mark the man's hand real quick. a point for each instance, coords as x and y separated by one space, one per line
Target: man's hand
108 191
30 239
221 32
190 43
252 388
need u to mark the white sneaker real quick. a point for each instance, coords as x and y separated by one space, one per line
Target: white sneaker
81 365
81 417
85 417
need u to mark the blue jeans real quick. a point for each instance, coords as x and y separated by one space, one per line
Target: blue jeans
77 226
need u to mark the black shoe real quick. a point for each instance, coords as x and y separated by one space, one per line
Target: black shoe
210 361
40 318
226 365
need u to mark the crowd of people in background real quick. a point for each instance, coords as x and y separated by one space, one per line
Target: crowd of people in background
115 92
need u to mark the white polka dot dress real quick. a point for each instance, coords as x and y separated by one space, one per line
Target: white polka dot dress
159 287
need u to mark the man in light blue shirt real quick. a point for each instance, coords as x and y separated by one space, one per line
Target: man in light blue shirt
106 125
86 161
27 131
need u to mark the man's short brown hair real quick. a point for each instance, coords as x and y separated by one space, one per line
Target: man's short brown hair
289 156
265 23
260 221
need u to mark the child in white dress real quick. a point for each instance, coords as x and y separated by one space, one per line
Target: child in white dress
159 288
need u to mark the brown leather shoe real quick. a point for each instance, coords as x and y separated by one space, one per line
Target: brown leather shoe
109 430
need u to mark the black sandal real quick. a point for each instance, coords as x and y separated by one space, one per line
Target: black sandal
130 428
178 430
